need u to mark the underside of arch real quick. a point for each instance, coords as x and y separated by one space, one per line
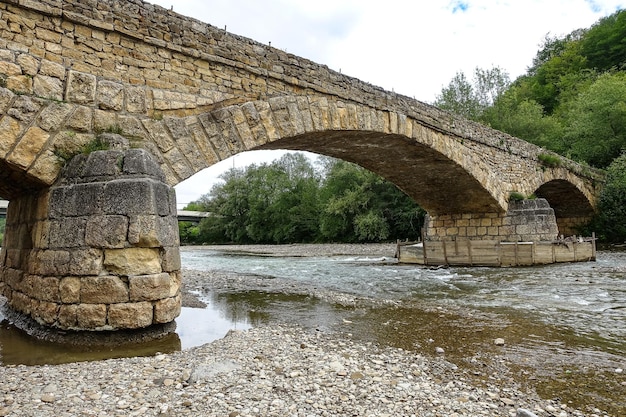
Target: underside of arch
15 182
566 199
571 207
435 182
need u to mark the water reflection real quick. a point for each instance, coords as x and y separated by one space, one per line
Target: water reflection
194 327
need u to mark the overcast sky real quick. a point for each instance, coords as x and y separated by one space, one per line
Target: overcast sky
413 47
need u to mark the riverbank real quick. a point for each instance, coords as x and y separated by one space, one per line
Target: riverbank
267 371
283 369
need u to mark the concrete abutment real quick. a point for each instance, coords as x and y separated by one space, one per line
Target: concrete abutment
99 250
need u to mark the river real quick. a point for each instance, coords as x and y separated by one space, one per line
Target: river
563 326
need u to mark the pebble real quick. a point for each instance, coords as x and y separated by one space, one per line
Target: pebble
499 342
237 376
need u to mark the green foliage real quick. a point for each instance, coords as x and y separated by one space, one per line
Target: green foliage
516 196
96 144
611 221
604 45
596 121
549 160
571 101
290 201
189 233
470 99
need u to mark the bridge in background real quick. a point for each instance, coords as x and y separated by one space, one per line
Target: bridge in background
169 96
182 215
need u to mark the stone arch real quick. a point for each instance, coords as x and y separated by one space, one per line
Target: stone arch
440 172
572 206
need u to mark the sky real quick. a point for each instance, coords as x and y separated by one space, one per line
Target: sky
412 47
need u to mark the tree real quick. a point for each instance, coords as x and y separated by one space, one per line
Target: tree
359 205
596 121
604 45
611 221
290 201
524 118
470 99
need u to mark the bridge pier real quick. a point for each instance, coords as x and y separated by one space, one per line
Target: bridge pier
524 221
99 250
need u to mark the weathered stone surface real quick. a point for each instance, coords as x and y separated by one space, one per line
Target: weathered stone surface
81 88
45 289
48 87
91 316
110 95
130 315
144 231
28 148
68 316
103 290
106 231
171 259
45 312
132 261
167 310
149 287
130 196
69 290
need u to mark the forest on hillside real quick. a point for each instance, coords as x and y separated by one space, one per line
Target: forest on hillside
572 100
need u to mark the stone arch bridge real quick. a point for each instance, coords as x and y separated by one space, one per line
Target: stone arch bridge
91 240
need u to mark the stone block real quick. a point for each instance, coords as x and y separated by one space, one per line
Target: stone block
170 259
45 289
106 231
130 315
140 161
53 116
20 84
45 312
136 100
81 120
132 261
149 287
85 262
52 69
91 316
110 95
144 231
167 310
49 262
68 316
103 164
176 280
79 200
69 290
29 146
129 196
81 88
103 290
67 232
48 87
21 302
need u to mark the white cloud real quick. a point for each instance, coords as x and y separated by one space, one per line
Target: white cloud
412 47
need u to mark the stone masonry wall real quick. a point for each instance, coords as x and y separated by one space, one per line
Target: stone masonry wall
525 221
99 250
139 68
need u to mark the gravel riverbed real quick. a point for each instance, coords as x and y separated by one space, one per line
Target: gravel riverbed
277 370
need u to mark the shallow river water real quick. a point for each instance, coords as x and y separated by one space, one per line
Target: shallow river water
564 326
